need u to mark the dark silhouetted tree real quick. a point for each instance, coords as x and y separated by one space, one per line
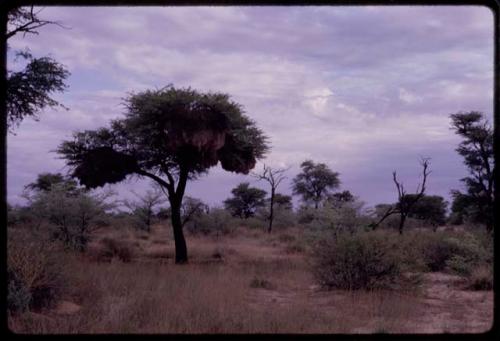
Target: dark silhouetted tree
45 181
29 90
191 208
245 200
283 202
170 136
340 198
405 201
477 150
429 208
315 182
274 177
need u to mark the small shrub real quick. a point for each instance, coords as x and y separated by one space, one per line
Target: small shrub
253 223
364 260
115 249
35 276
481 278
218 222
459 253
18 293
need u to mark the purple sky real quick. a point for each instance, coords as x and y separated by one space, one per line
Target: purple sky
366 90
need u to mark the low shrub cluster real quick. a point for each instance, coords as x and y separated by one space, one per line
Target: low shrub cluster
458 253
363 260
34 272
114 249
217 222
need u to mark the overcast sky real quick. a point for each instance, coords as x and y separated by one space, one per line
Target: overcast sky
366 90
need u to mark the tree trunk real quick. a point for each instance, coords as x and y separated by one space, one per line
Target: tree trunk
402 223
271 213
181 256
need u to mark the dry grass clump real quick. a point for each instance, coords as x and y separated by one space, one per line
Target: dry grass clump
109 249
35 278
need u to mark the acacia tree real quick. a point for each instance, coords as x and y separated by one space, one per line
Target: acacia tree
405 202
283 201
171 136
29 90
315 182
144 208
477 151
45 181
429 208
245 200
274 177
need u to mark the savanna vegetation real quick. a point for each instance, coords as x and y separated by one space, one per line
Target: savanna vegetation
80 259
83 260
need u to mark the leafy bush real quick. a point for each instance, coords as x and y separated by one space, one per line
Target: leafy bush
252 223
35 277
70 213
342 217
459 253
218 221
363 260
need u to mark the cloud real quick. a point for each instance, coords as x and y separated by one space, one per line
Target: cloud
364 89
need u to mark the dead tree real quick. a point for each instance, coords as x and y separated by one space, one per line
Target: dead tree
26 21
274 177
405 202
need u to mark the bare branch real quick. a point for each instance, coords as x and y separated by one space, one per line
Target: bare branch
31 25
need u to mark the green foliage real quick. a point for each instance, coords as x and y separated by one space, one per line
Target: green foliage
29 90
315 182
252 222
477 150
459 253
34 271
218 222
431 209
163 131
283 217
365 260
45 181
70 214
171 136
245 200
335 218
282 201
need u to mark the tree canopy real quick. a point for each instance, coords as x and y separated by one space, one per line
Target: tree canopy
169 135
476 149
29 89
315 182
429 208
245 200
